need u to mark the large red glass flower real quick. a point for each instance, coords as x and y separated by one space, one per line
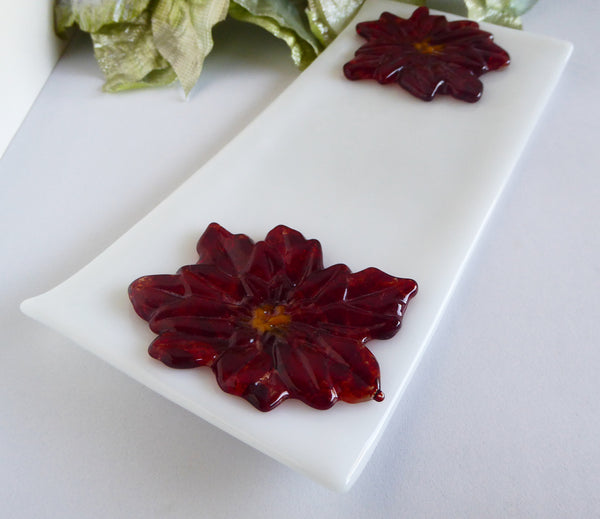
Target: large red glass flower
426 55
270 321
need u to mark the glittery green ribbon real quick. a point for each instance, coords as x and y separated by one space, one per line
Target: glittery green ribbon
141 43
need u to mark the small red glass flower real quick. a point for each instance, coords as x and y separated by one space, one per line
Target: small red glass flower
426 55
270 321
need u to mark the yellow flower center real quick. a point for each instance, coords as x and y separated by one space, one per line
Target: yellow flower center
425 47
268 318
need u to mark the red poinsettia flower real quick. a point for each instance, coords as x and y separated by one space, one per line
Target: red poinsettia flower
426 55
270 321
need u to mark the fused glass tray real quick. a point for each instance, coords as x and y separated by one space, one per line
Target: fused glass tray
379 177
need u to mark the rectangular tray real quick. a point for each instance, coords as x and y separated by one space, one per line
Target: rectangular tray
379 177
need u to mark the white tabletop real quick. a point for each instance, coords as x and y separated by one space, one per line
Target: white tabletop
502 418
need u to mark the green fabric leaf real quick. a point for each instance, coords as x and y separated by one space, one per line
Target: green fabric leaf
500 12
128 57
328 17
90 16
154 42
517 7
285 19
182 31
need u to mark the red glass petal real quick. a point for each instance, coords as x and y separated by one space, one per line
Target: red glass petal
322 287
229 252
264 279
390 70
442 79
363 68
246 369
304 368
364 305
280 262
322 369
356 378
243 362
149 293
264 262
211 282
198 316
267 392
301 257
382 296
465 87
422 25
421 82
181 351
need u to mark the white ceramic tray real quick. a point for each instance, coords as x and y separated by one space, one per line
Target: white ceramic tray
379 177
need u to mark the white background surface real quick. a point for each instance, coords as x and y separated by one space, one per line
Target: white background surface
28 51
502 417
